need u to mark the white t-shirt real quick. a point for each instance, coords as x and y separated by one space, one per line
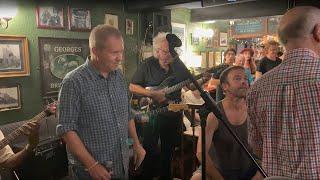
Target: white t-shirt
5 152
190 98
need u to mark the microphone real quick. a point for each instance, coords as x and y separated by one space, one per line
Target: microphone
173 41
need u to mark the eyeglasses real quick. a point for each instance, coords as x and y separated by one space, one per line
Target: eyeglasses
166 52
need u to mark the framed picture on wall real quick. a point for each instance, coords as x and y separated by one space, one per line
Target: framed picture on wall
58 56
49 17
223 39
10 97
111 20
129 27
14 56
194 40
79 19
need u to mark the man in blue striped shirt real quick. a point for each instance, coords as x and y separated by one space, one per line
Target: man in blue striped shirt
94 111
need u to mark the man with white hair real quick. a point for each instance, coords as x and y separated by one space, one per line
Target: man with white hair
167 125
284 105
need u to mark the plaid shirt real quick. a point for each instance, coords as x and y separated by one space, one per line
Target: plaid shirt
97 108
284 110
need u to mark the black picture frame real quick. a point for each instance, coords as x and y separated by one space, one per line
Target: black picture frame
58 56
79 19
10 97
49 17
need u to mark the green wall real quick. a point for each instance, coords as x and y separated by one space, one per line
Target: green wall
25 24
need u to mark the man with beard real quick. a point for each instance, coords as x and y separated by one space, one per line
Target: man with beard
226 159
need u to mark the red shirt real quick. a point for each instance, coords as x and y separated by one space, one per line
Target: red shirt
284 111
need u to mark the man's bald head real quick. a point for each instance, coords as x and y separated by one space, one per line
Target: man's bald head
298 23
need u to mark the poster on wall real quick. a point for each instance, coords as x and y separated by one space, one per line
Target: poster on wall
129 27
58 56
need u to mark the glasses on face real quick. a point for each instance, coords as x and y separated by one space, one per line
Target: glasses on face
165 52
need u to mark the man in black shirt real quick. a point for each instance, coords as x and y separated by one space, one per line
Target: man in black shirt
229 59
152 72
270 60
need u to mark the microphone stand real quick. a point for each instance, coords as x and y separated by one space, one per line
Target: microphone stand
212 107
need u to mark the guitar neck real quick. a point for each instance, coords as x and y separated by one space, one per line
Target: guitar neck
180 85
19 131
177 87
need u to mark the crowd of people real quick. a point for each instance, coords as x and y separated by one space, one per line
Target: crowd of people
273 107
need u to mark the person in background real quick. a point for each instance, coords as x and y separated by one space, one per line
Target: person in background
226 159
284 104
259 53
94 112
8 159
270 60
193 98
241 61
249 62
229 58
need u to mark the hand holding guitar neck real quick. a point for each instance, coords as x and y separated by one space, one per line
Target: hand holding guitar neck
31 128
158 95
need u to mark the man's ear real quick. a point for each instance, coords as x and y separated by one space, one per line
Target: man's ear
224 86
94 51
316 32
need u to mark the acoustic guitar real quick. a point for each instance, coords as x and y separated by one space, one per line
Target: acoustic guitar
51 109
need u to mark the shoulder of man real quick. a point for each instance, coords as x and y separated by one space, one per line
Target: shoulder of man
74 74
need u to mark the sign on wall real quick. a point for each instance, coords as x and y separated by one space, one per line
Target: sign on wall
249 26
58 56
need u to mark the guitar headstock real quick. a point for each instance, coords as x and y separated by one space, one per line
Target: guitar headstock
51 108
177 107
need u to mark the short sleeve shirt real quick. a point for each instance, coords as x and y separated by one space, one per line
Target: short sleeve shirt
6 152
266 64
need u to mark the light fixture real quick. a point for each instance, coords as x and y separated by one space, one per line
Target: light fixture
8 10
209 22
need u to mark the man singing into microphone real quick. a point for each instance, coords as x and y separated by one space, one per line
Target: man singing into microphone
163 64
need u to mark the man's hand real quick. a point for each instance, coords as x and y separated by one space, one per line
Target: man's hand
139 155
98 172
158 96
257 176
31 129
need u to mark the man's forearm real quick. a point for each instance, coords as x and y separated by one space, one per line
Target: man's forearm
77 148
17 159
133 132
137 89
211 170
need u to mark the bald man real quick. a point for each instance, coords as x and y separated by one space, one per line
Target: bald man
284 105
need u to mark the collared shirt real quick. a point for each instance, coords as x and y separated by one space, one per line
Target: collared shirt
284 110
6 152
98 110
150 74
